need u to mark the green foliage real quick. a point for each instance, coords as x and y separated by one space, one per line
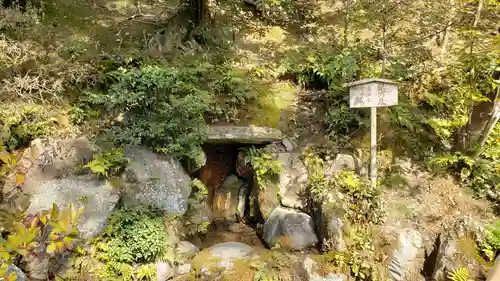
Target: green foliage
263 164
459 274
481 175
135 236
134 239
232 92
318 185
489 244
201 191
161 107
360 201
365 201
19 126
165 106
112 162
327 68
358 260
492 146
341 120
53 230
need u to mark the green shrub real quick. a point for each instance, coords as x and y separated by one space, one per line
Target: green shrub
112 161
263 164
20 126
365 202
459 274
482 175
361 202
135 236
490 242
359 260
160 107
165 107
318 185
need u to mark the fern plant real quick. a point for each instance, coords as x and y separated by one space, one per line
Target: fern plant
459 274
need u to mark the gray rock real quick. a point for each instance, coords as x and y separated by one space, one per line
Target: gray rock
263 200
275 147
98 198
46 160
193 165
310 267
227 252
292 180
225 201
186 250
184 269
197 215
289 145
156 180
290 186
237 134
409 242
19 273
341 162
164 271
243 196
335 233
289 228
448 247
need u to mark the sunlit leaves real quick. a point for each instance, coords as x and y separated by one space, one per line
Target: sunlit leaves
4 276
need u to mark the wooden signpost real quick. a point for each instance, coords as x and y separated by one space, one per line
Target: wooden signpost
372 93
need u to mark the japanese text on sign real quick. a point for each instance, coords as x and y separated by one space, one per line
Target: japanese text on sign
375 94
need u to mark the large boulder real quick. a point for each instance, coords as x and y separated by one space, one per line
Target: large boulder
195 219
165 270
98 198
235 232
46 160
311 267
186 250
222 256
454 248
342 161
243 200
404 260
237 134
263 200
292 180
288 188
225 201
332 228
155 180
289 228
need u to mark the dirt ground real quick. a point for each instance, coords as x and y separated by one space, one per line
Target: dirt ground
432 203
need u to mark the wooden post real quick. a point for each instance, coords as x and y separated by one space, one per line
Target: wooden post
372 93
373 146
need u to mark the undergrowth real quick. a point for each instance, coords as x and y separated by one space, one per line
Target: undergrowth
263 164
21 125
128 249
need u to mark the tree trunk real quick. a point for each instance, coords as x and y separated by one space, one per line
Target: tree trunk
447 31
199 12
492 121
466 137
483 118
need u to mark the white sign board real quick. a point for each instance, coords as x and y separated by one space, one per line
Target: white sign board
373 94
